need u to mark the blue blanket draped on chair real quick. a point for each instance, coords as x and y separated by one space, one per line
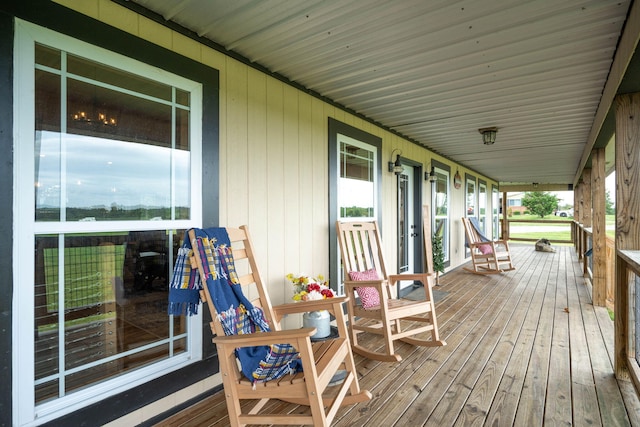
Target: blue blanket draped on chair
235 312
476 224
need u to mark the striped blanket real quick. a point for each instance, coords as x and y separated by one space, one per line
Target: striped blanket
235 312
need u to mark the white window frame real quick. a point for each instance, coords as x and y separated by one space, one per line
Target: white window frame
446 240
341 138
25 411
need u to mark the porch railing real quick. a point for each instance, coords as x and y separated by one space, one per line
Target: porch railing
518 230
583 242
627 322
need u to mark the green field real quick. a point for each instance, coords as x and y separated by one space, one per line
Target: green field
546 228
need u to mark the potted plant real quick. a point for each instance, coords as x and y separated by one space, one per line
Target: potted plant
438 255
307 288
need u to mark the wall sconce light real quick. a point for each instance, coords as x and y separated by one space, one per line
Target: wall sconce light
535 185
396 167
488 135
431 176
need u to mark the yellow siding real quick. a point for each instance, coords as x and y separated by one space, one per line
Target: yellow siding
273 159
273 165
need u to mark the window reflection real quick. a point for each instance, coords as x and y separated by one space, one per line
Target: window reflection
108 180
356 184
114 302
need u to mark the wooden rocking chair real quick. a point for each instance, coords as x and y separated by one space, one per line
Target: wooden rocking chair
321 361
377 310
487 256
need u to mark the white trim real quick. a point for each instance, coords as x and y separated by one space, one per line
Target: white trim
23 241
25 412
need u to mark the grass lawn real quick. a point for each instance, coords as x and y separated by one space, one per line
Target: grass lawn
547 229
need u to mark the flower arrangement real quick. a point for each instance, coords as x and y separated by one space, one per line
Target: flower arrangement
307 288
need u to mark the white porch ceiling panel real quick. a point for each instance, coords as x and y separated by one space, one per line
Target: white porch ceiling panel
438 70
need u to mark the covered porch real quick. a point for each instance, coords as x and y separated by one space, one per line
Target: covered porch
526 347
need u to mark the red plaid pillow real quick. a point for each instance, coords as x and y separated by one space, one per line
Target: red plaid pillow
369 296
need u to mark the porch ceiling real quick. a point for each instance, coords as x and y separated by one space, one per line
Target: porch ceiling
436 71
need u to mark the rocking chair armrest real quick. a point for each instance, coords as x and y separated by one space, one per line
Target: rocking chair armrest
331 304
378 284
420 277
288 336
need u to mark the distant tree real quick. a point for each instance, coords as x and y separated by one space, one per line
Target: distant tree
609 209
540 203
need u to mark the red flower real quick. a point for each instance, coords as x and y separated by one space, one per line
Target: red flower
327 293
313 287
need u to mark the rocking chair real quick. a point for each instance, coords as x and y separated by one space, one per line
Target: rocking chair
376 310
321 361
487 256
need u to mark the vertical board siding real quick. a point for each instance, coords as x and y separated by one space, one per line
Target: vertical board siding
274 159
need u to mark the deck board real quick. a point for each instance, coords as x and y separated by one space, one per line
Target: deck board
525 347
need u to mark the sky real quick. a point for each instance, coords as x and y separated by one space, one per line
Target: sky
566 197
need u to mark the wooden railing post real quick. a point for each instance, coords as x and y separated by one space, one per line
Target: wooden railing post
599 243
577 197
585 213
627 216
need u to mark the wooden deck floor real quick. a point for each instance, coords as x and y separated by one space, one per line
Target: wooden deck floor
525 348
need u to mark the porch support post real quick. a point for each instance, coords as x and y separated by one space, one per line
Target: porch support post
599 256
585 214
627 215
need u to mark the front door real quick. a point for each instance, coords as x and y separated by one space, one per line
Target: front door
409 235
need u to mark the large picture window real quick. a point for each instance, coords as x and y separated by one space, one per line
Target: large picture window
354 184
110 175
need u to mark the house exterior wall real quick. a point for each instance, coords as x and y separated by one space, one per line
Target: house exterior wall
273 172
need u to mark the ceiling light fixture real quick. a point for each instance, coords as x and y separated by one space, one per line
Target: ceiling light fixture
488 135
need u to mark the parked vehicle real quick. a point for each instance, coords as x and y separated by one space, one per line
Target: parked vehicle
564 213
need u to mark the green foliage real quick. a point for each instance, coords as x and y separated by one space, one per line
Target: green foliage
438 253
608 204
540 203
356 212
